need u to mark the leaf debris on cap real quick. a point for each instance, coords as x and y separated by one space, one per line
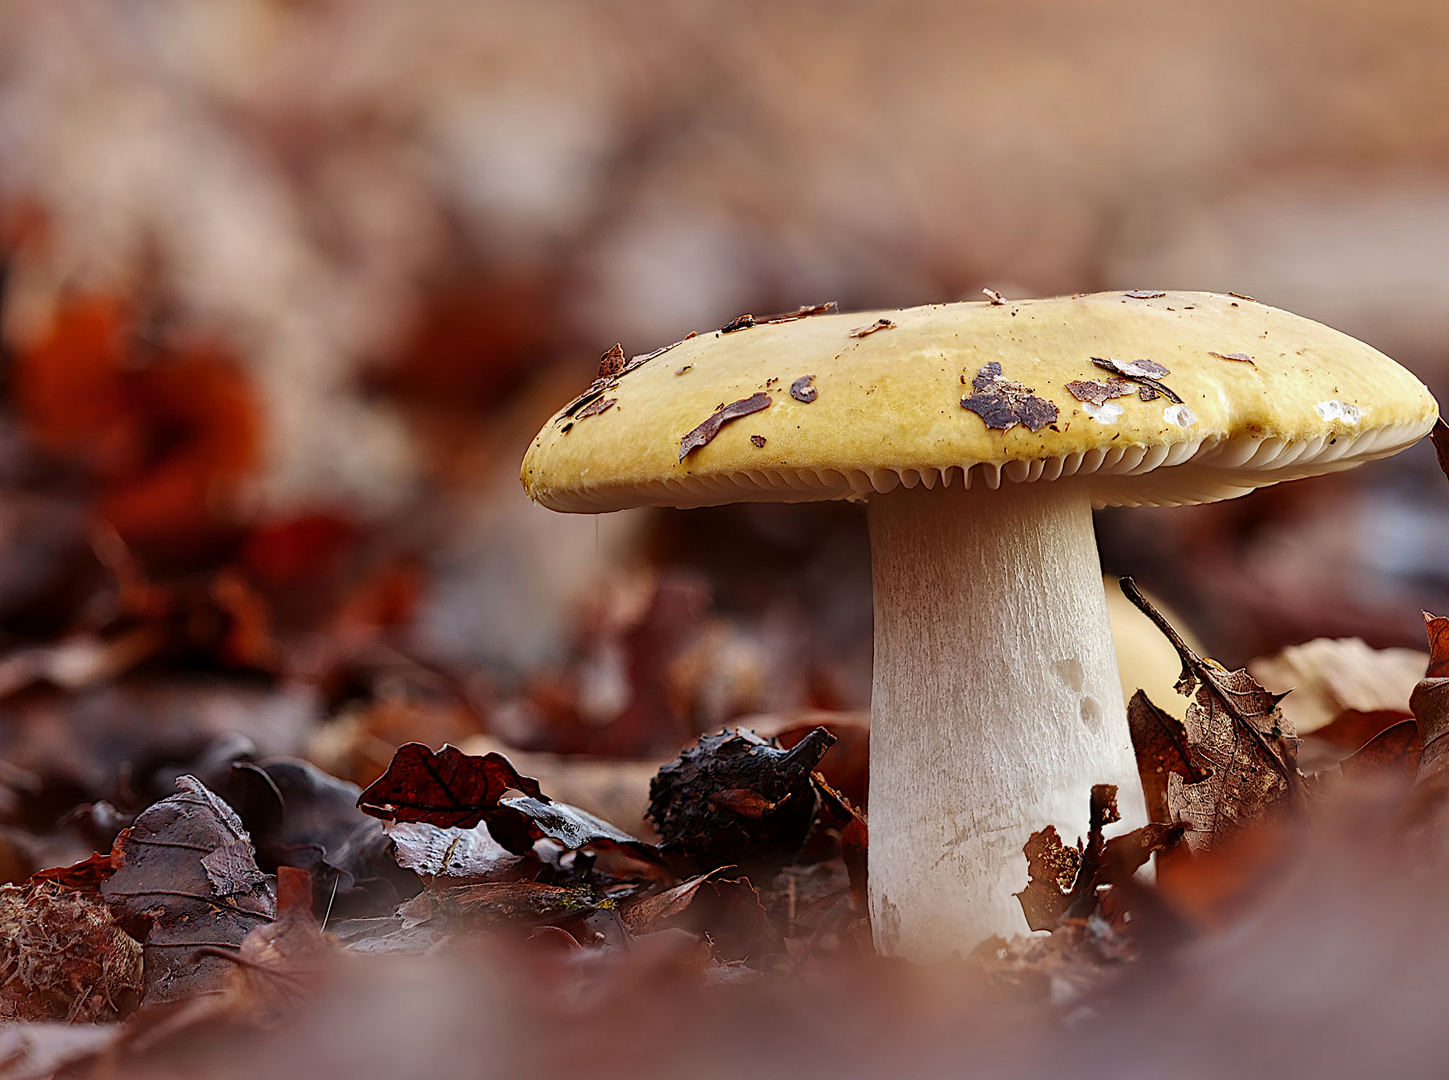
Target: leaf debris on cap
995 297
1239 356
1145 373
706 431
1003 403
758 440
866 331
803 391
1099 393
1144 294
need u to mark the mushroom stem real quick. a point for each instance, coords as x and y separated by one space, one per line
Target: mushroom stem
996 704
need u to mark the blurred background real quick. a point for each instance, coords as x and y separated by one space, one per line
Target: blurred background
288 285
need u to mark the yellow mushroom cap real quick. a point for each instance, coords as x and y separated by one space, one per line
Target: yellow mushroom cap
1265 396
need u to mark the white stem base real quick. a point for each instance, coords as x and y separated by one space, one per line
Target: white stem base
996 704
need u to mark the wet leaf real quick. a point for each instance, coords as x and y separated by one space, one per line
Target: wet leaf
449 788
1003 404
802 390
164 896
705 432
1160 742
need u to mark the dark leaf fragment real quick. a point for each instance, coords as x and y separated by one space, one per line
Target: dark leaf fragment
596 407
449 789
1439 436
164 896
803 391
737 798
1160 742
1099 393
705 432
1003 404
757 440
527 902
519 822
866 331
739 322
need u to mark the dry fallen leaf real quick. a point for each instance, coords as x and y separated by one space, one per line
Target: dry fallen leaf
706 431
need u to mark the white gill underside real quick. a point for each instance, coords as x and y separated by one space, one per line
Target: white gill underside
996 704
1177 474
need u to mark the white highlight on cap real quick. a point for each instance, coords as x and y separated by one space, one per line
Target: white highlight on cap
1180 415
1333 409
1105 413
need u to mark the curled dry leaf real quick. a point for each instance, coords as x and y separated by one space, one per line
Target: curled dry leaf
449 789
1003 404
170 898
878 325
612 363
642 915
705 432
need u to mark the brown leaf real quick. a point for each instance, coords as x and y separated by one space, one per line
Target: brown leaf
802 390
742 801
277 963
85 875
596 407
642 915
1144 294
705 432
1160 743
802 312
530 902
449 788
518 823
164 896
1393 753
1051 869
1241 357
1437 629
739 322
1235 732
464 855
1003 404
1099 393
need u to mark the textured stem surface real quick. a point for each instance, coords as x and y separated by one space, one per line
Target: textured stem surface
996 704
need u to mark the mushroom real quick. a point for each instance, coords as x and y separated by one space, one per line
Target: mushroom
981 435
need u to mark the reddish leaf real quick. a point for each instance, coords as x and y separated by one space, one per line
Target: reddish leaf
85 875
1051 869
641 916
1393 753
449 788
709 428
